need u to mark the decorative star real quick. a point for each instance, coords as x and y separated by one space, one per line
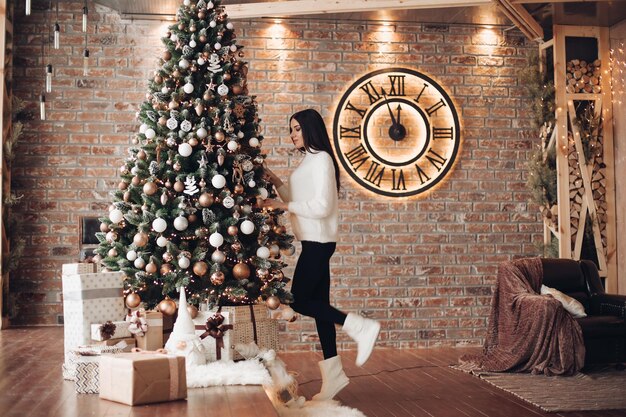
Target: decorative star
211 86
203 162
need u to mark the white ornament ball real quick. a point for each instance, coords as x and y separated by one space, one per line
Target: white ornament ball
162 241
263 193
209 5
228 202
188 88
218 257
187 2
218 181
229 26
159 225
192 43
212 23
201 61
251 183
116 216
183 63
247 227
174 37
233 48
217 46
232 145
185 149
202 133
143 128
164 89
184 262
181 223
134 170
254 142
222 89
240 134
139 263
216 240
150 133
131 255
263 252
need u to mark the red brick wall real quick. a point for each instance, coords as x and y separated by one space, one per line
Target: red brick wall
424 266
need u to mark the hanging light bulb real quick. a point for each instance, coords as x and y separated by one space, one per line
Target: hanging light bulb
57 36
27 7
85 13
42 106
85 61
49 78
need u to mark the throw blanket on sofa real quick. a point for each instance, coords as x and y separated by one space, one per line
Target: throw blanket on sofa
528 331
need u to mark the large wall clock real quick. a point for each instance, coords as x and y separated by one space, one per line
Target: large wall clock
396 132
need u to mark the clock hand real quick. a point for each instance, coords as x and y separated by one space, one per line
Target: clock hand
393 119
398 109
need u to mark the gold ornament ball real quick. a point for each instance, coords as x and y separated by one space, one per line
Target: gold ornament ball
206 96
122 185
140 239
272 302
104 227
241 271
150 188
173 105
181 26
217 278
201 14
219 136
200 268
193 311
162 120
227 76
202 38
262 273
111 236
237 89
167 307
176 74
205 200
166 269
179 186
133 300
112 253
167 257
238 189
141 154
193 142
136 181
158 79
151 268
192 218
127 196
233 230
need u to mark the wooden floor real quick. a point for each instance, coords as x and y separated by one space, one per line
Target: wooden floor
392 383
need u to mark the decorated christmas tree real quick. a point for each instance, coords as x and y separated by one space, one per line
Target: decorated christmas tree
187 212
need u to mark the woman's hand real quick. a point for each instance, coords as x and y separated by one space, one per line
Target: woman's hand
269 175
271 204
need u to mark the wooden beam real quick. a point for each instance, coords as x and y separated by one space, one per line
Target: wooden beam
310 7
522 19
557 1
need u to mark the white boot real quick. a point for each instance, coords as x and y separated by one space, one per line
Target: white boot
333 378
364 332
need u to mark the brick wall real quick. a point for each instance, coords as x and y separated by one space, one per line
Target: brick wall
424 266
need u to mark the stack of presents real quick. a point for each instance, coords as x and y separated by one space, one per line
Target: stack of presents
119 353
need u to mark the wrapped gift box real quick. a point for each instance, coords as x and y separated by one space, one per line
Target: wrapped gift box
266 336
209 343
126 344
86 381
142 378
90 298
121 331
153 338
89 351
80 268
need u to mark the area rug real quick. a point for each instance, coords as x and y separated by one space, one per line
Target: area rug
600 388
250 372
320 409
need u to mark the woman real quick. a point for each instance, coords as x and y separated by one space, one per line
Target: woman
311 199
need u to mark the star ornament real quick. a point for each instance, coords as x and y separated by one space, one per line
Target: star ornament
211 86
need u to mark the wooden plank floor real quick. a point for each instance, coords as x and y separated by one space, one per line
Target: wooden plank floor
394 383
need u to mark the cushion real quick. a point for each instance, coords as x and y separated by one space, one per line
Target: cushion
574 307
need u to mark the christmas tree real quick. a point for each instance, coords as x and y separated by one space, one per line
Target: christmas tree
187 212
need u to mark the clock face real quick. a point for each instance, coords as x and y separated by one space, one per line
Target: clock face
396 132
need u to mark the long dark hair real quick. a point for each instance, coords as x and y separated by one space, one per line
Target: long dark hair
315 135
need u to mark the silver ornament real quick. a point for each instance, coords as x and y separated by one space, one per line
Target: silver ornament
186 125
172 123
228 202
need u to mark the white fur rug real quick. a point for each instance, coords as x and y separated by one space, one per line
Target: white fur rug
320 409
250 372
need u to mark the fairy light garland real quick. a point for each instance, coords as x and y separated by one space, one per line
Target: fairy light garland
617 68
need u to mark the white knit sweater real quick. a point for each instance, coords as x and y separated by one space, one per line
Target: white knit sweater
311 194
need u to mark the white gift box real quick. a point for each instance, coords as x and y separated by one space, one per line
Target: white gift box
90 298
209 343
121 331
80 268
87 378
83 353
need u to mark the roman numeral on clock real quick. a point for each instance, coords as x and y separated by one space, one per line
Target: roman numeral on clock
422 175
375 173
437 160
350 132
397 181
397 85
443 133
371 92
432 109
417 99
350 106
357 157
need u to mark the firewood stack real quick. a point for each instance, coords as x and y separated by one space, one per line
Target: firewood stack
583 76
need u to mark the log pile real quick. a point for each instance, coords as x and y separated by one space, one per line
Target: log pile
583 76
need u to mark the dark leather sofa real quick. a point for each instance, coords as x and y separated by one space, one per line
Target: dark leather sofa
604 328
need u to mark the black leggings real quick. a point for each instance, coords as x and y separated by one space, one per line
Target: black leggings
311 291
